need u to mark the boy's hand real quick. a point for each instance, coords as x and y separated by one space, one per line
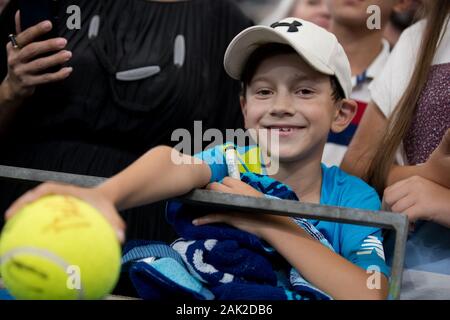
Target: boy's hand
243 221
90 195
230 185
252 223
438 165
256 224
419 199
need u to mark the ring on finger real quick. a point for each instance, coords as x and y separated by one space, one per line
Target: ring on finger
13 39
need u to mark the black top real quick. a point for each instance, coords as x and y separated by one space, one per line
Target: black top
93 123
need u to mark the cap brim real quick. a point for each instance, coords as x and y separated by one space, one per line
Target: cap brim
243 45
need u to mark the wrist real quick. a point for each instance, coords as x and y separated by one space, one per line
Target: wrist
440 210
108 191
9 94
6 91
277 226
430 171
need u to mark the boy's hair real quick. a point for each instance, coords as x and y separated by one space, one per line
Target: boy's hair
273 49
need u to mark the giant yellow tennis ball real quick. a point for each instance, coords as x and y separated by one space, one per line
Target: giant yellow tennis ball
59 247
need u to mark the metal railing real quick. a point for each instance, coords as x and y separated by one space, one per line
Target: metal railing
386 220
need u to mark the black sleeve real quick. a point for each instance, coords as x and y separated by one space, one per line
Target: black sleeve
7 26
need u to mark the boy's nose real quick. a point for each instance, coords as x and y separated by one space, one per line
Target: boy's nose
282 106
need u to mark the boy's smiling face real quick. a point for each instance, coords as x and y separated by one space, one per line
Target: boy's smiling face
295 102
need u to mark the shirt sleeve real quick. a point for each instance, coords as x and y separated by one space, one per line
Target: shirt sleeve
215 159
363 245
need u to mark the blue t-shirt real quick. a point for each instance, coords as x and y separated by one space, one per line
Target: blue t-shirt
361 245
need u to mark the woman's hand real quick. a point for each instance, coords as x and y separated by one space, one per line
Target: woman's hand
91 195
438 165
419 199
25 67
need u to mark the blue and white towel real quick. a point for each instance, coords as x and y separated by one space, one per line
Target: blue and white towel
218 261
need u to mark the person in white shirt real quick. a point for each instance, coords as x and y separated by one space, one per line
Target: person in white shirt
367 52
402 148
406 13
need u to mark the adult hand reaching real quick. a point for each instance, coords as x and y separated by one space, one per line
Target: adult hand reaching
26 65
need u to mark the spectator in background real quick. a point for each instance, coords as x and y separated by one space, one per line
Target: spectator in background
315 11
402 147
267 12
367 51
404 14
3 3
135 72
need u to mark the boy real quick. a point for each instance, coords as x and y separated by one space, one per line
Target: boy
296 84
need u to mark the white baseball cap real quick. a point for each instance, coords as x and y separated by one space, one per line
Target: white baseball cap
318 47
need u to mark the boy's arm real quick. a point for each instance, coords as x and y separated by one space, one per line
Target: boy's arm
324 268
154 177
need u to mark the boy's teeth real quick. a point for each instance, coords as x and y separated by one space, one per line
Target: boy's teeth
282 129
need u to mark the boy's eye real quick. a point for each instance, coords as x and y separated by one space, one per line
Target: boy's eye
263 92
305 92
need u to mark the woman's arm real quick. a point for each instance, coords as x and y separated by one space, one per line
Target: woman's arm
8 106
367 139
365 142
25 69
419 199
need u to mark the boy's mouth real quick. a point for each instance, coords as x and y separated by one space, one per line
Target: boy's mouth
284 130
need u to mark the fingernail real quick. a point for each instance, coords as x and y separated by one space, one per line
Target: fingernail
46 24
67 55
61 42
195 222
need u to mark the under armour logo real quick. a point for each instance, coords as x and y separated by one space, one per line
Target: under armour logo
293 26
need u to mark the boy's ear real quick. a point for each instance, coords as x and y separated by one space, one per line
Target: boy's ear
346 111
